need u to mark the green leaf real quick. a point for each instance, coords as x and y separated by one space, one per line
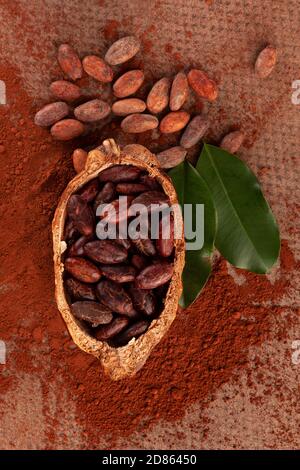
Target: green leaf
247 234
192 189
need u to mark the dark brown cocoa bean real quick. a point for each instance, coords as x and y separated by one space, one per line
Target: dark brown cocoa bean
105 332
165 242
76 249
105 251
119 273
134 331
139 261
145 246
116 298
116 211
81 215
131 188
152 184
147 199
106 194
90 190
154 275
70 230
120 174
143 300
80 291
123 242
82 269
92 312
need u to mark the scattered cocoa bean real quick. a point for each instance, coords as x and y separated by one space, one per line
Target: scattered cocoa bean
122 50
79 160
143 300
64 90
81 215
137 123
171 157
179 91
67 129
202 85
131 188
158 97
51 113
82 269
80 291
174 122
119 273
119 174
194 132
92 111
128 106
116 298
154 275
69 61
232 141
106 332
105 251
97 68
92 312
133 331
265 62
128 83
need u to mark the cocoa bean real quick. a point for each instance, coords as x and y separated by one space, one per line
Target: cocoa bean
122 50
82 269
232 141
115 211
51 113
265 62
92 312
92 111
76 249
70 230
123 242
147 199
171 157
79 160
67 129
133 331
165 242
145 246
105 251
131 188
179 91
174 122
69 62
80 291
116 298
106 332
65 90
137 123
128 83
154 275
95 67
106 194
119 174
139 262
158 97
194 132
150 182
128 106
202 85
143 300
81 215
90 190
119 273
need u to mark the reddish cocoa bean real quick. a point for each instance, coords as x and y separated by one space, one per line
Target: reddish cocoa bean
119 174
123 242
131 188
137 123
79 160
92 312
232 141
119 273
116 298
122 50
90 190
80 291
76 249
69 62
106 332
202 85
158 97
97 68
171 157
92 111
128 106
143 300
165 242
116 211
265 62
145 246
106 195
174 122
82 269
194 132
134 331
105 251
179 91
70 230
139 262
128 83
67 129
154 275
81 215
147 199
152 184
51 113
65 90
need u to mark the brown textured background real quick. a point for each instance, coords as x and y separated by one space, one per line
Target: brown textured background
257 409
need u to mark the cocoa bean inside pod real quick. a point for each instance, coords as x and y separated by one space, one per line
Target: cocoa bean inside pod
138 284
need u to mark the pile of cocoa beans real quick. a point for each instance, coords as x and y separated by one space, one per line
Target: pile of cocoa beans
116 287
